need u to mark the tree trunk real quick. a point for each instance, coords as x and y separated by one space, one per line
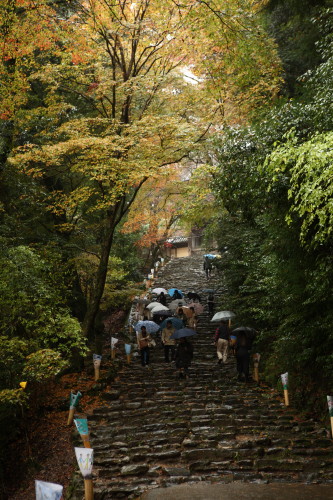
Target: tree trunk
94 302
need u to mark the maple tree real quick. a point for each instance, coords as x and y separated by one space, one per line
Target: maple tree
139 121
178 198
131 88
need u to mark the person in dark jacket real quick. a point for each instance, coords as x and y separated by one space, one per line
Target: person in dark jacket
162 299
207 265
176 295
243 357
194 296
221 339
210 303
183 357
244 340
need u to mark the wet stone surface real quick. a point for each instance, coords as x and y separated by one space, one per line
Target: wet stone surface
157 430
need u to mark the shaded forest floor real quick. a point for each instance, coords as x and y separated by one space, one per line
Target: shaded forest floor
44 449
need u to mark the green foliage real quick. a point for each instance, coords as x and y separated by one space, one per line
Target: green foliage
10 398
310 168
62 333
291 23
119 299
13 353
35 316
273 182
43 365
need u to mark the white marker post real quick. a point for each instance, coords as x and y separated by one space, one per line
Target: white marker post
84 457
97 359
256 359
330 409
284 378
114 341
128 349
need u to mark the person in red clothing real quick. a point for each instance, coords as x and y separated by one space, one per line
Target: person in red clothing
221 339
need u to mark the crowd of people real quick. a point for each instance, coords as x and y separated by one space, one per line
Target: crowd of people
180 351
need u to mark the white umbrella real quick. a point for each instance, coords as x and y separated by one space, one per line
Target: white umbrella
223 315
159 307
160 290
151 326
175 303
152 305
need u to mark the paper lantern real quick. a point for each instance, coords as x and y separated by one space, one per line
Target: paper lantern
97 360
284 378
48 491
74 399
82 427
73 402
84 457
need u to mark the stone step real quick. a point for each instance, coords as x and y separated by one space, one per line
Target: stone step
158 430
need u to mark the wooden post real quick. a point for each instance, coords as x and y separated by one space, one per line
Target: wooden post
284 378
128 356
96 373
256 372
286 397
85 439
330 409
88 489
256 359
113 353
70 416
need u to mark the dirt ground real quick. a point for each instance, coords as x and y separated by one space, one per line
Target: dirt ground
44 449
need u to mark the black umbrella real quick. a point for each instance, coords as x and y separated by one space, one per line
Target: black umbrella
250 333
162 313
183 332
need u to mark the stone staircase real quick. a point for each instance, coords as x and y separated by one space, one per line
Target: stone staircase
159 430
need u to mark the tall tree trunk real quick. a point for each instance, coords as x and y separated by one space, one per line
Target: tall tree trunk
114 216
94 302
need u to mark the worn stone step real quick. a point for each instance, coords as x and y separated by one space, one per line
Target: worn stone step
158 430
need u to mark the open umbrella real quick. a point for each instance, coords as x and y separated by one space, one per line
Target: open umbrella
223 315
171 292
250 333
162 313
151 326
159 290
210 255
158 308
176 323
152 305
199 308
177 303
183 332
